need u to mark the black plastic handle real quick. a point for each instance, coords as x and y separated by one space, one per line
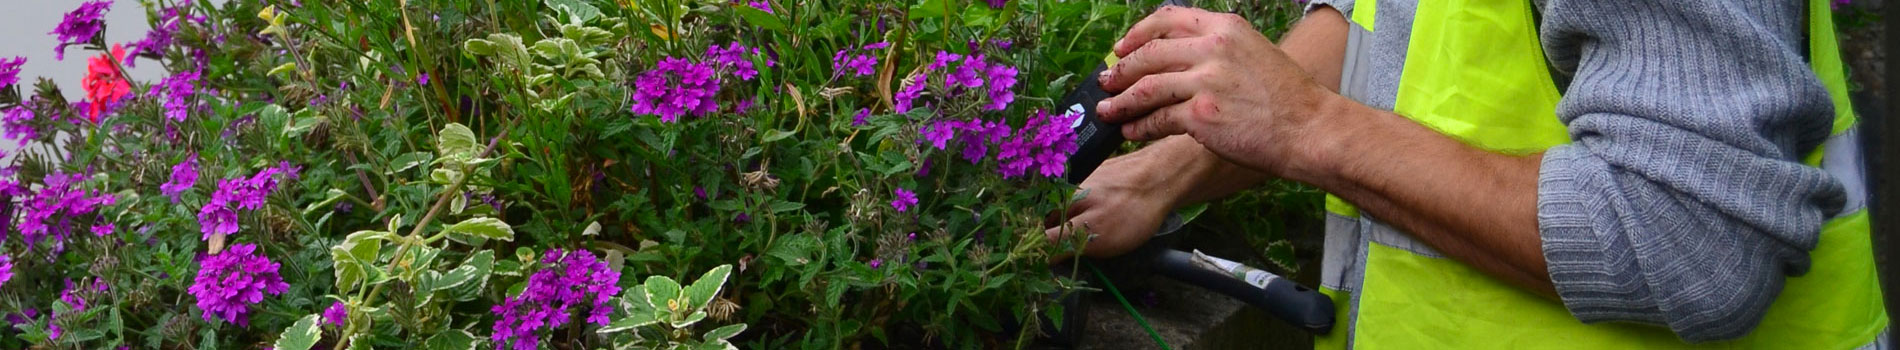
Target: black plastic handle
1284 299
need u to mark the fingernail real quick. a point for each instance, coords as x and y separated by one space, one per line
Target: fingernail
1101 108
1103 77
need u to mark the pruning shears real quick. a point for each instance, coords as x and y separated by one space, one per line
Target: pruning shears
1281 297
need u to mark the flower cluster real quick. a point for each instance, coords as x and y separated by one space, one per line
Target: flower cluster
676 86
59 201
859 64
184 175
1043 144
80 25
971 74
10 71
176 92
570 280
230 281
219 216
975 135
104 85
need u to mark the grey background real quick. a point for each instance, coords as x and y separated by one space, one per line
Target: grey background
24 28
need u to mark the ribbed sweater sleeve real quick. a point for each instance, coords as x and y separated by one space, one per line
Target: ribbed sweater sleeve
1682 201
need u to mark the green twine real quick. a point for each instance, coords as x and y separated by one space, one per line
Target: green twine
1131 308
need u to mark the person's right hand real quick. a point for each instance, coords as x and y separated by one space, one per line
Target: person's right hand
1127 200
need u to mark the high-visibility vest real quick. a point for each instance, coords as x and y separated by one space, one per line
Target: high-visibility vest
1409 300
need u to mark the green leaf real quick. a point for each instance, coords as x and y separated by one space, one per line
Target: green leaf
283 68
302 122
484 227
353 257
689 320
633 320
475 270
410 160
454 339
478 47
783 206
723 333
776 134
301 335
444 176
760 18
576 10
456 140
794 250
663 293
702 291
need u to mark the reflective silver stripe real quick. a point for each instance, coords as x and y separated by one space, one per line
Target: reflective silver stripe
1340 255
1381 233
1841 157
1353 80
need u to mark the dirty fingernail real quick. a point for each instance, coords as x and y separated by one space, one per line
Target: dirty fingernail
1101 108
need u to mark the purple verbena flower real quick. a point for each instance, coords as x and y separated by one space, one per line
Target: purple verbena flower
51 211
230 281
732 58
176 91
1043 144
761 5
10 71
675 87
857 64
336 314
16 124
159 37
103 230
863 117
569 280
422 79
219 215
80 26
6 269
184 175
907 96
905 199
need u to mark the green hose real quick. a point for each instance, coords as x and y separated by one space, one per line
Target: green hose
1131 308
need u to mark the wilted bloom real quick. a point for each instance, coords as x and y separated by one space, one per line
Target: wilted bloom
675 87
230 281
336 314
1043 144
103 83
905 199
10 71
570 280
80 26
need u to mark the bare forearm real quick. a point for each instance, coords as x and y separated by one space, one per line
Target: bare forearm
1473 205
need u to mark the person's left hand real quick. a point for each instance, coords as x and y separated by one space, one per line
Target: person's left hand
1213 77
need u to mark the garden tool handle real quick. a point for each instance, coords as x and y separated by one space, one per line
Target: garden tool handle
1282 298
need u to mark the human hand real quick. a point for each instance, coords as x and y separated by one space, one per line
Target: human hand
1126 203
1211 76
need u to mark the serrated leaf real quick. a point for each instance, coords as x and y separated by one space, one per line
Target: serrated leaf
478 47
702 291
782 206
484 227
453 339
301 335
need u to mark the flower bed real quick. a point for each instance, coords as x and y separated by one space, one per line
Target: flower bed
547 174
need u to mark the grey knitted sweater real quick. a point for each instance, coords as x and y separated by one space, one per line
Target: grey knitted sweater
1681 201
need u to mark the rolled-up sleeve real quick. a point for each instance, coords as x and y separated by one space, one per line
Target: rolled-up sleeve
1682 201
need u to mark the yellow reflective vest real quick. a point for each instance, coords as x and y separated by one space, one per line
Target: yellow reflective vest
1836 305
